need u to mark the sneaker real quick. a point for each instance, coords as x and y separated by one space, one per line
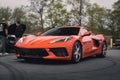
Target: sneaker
5 53
1 54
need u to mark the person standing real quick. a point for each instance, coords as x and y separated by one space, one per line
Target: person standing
11 29
20 29
3 35
17 29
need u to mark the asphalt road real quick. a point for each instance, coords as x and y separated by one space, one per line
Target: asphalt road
89 69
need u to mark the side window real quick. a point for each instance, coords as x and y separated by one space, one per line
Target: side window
83 31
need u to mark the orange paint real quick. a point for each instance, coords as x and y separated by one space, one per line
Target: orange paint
45 42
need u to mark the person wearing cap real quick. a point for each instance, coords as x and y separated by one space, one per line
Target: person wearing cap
3 35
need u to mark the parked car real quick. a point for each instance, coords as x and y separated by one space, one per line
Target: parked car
62 43
117 42
11 40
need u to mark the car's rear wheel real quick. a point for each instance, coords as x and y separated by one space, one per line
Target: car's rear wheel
76 52
104 50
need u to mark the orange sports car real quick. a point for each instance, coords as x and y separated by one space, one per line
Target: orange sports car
62 43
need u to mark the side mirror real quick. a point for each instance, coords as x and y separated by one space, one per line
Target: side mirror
87 33
39 33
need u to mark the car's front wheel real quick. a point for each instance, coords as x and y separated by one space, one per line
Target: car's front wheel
76 52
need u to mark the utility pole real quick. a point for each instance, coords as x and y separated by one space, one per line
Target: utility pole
80 13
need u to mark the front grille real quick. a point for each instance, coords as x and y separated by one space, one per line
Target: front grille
31 52
59 51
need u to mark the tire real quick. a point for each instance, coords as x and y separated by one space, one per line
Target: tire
76 52
104 50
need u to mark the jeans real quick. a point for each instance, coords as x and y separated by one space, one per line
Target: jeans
2 44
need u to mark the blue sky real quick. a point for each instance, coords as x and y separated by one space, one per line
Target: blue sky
18 3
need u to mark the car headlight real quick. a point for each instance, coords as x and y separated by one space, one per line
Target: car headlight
20 40
61 40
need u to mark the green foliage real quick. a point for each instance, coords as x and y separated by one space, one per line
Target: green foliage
38 6
5 13
115 18
18 13
75 11
57 15
97 18
52 13
31 22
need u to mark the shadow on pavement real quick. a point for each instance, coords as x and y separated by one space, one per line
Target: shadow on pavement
54 62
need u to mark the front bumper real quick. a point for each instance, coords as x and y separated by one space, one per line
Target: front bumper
60 53
55 51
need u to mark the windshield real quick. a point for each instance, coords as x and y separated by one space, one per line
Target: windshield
63 31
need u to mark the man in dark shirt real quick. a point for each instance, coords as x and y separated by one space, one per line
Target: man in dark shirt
20 29
17 29
11 29
3 34
3 28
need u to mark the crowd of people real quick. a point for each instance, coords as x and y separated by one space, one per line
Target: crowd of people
16 29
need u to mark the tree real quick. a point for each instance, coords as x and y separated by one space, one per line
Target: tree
31 22
77 10
116 18
5 13
57 14
38 6
18 13
110 23
97 18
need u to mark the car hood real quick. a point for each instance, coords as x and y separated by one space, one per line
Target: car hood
38 40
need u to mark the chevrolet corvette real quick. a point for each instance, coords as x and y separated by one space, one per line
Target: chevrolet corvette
62 43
